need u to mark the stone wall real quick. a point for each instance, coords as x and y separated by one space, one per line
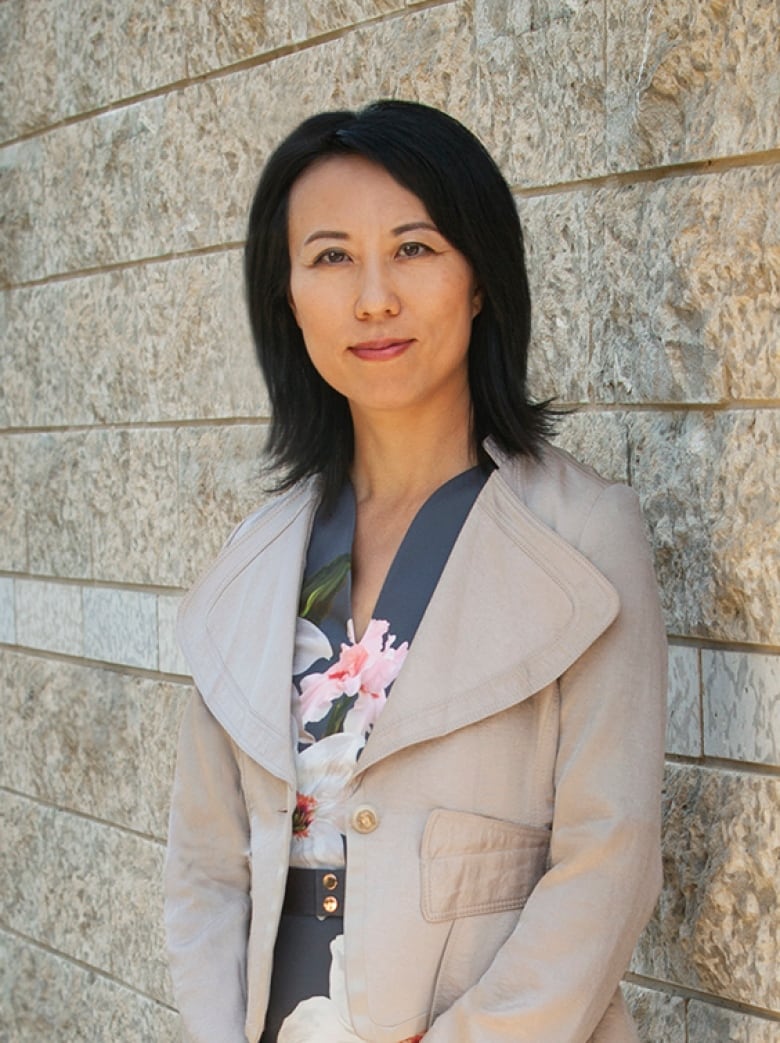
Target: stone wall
641 139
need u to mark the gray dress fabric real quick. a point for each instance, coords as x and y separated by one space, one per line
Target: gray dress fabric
302 957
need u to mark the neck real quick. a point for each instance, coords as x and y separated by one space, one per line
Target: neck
398 459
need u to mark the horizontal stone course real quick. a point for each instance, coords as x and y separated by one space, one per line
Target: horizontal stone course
683 725
742 706
86 54
163 341
690 81
715 925
91 740
707 482
7 612
85 889
47 996
708 1023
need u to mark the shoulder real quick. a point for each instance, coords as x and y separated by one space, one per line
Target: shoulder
566 495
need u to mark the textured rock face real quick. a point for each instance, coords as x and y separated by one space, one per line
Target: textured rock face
715 927
640 138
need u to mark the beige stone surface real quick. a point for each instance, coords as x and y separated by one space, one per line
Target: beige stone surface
742 706
95 741
708 482
683 724
13 534
220 481
659 1017
688 300
715 928
54 474
540 88
46 996
65 58
22 212
691 80
86 890
708 1023
559 257
176 172
598 439
162 341
49 616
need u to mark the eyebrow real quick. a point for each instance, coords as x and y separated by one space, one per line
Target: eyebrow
412 226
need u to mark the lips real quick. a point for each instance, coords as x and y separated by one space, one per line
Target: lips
380 350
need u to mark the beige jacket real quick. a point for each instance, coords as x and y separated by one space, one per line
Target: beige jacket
510 856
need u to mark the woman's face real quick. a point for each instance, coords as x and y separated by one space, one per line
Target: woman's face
385 303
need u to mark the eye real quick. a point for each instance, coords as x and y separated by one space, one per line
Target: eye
414 250
331 256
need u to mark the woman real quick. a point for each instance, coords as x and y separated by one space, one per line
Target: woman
449 824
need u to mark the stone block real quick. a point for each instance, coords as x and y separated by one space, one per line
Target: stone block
708 484
598 439
158 342
7 612
659 1017
94 741
13 532
86 890
220 481
134 506
742 706
120 626
690 81
139 182
715 926
28 67
47 996
54 470
539 97
49 616
698 319
558 241
64 59
171 659
683 725
708 1023
22 209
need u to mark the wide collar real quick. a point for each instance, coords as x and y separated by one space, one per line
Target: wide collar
515 606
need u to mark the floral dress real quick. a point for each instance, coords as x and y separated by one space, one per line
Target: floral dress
341 682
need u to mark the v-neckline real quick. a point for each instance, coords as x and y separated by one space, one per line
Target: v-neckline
407 540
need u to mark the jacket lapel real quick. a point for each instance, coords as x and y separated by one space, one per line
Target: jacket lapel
500 625
237 629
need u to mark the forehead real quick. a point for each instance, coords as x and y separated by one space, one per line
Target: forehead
351 187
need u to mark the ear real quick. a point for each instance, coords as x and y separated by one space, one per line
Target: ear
477 300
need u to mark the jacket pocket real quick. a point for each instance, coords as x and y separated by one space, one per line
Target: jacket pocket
473 864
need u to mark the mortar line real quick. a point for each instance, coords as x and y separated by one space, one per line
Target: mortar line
689 993
82 964
724 765
210 75
125 669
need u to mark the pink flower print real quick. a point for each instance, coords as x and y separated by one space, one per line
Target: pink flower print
365 668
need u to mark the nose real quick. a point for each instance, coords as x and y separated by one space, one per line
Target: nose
376 294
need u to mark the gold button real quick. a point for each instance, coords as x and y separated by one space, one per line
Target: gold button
330 903
365 819
330 881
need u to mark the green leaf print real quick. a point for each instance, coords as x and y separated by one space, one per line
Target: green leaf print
320 589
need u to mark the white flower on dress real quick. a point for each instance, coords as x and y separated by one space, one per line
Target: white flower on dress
323 1019
325 773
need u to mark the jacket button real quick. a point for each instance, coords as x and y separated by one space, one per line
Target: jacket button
330 881
330 904
365 819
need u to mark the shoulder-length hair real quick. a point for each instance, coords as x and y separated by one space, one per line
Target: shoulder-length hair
449 170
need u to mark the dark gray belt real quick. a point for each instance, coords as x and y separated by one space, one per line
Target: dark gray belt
315 892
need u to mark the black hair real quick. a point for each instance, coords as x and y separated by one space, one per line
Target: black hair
450 171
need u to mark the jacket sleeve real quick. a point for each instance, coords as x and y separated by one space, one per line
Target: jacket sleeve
207 880
553 979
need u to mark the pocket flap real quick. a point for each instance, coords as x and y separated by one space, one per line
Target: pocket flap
474 864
